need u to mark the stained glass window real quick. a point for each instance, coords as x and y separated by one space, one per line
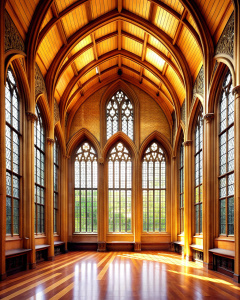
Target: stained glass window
181 187
55 185
198 173
154 189
120 115
39 146
86 193
226 158
119 189
12 114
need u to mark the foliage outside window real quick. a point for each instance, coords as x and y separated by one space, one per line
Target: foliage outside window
154 189
86 181
198 173
120 115
12 114
39 145
226 158
120 189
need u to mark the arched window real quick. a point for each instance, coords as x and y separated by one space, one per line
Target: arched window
154 189
198 157
39 145
86 182
120 116
181 187
12 114
226 158
119 189
55 185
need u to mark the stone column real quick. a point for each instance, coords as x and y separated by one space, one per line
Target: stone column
49 197
30 189
208 190
236 92
188 199
2 147
102 211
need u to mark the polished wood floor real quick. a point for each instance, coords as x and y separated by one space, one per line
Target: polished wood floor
119 275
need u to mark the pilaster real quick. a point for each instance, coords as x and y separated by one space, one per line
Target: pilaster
208 190
174 197
49 197
187 199
138 205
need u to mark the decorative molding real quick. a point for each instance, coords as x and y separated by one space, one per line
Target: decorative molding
226 42
209 117
31 116
66 156
50 141
13 39
56 112
101 160
198 87
40 87
236 90
102 247
22 62
187 143
174 127
66 119
183 111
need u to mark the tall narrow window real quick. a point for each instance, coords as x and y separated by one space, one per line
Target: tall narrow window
198 173
55 185
181 190
154 189
12 113
226 158
120 115
86 178
120 189
39 145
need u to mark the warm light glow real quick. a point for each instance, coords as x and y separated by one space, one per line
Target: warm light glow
155 59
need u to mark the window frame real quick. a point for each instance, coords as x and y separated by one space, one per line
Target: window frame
56 215
181 186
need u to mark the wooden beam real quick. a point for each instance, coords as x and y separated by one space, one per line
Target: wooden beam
179 28
120 5
88 11
119 23
144 49
119 61
96 55
152 12
59 25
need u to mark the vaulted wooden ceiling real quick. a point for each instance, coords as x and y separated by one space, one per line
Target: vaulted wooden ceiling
156 43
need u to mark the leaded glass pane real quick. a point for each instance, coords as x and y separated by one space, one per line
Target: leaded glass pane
230 216
86 189
153 188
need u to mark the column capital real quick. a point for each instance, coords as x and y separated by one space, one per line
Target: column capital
236 90
209 117
31 116
50 141
101 160
187 143
66 156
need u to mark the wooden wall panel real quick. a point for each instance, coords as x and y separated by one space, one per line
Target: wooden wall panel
84 59
151 77
64 80
104 30
107 46
158 45
100 7
131 64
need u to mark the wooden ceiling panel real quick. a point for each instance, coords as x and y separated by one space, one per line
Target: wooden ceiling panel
150 85
138 7
88 76
24 11
131 73
131 64
166 92
104 30
150 76
48 17
76 86
62 4
158 45
189 47
89 85
50 46
108 64
155 59
166 22
100 7
191 21
86 41
213 11
109 73
176 83
84 59
75 20
41 65
132 29
64 80
132 46
174 4
107 45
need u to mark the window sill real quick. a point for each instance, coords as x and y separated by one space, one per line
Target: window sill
225 238
156 233
40 236
85 233
13 238
200 236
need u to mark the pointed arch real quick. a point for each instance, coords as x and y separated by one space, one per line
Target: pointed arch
42 103
60 137
80 136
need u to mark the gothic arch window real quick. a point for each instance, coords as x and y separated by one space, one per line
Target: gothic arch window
55 185
39 146
154 189
181 187
119 189
120 115
226 158
13 136
86 193
198 159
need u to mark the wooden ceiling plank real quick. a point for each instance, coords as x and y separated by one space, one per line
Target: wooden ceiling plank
89 11
119 61
179 28
120 5
167 8
152 12
119 34
96 55
144 49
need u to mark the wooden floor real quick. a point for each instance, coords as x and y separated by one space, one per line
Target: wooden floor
119 275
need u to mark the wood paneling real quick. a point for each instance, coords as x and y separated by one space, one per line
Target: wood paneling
151 77
132 46
86 41
88 76
132 29
84 59
158 45
108 64
131 64
139 7
155 59
174 80
107 46
65 78
64 4
100 7
166 22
